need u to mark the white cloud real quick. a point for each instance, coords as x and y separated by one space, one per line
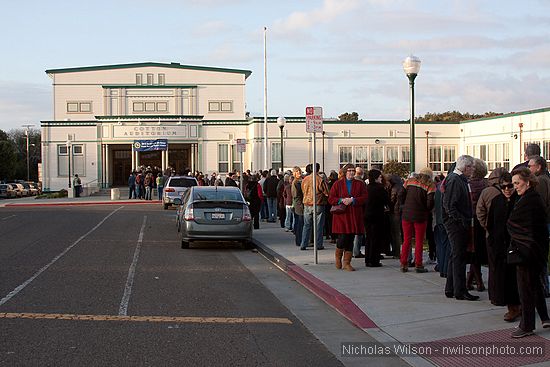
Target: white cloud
211 28
303 20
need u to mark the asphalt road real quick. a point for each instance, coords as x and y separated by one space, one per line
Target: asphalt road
110 286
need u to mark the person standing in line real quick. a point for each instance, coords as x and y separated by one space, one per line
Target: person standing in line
160 185
360 239
321 199
529 239
77 184
417 204
502 283
531 151
375 205
148 185
395 215
332 178
443 247
353 194
297 204
537 166
263 209
287 197
253 194
457 218
270 190
229 181
132 186
479 257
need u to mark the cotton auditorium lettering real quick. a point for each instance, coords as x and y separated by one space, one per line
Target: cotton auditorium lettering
150 131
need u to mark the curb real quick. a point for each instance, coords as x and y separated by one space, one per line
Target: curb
341 303
72 203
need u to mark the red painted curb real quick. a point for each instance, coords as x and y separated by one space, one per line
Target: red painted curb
343 304
148 202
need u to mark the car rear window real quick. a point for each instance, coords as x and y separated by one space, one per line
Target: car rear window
182 182
212 195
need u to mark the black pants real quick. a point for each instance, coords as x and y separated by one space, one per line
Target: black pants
531 296
374 242
345 241
456 264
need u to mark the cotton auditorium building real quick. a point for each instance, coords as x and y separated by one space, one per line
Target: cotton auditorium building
110 119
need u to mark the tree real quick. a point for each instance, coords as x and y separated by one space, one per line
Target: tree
453 116
354 116
396 168
19 141
3 136
7 163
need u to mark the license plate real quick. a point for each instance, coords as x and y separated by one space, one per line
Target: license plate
218 215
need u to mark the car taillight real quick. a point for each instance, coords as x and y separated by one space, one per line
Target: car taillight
246 214
188 215
169 189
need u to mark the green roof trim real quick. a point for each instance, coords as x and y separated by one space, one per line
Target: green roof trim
174 65
512 114
302 120
128 86
150 117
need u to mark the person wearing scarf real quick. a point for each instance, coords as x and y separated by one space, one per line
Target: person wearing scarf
529 237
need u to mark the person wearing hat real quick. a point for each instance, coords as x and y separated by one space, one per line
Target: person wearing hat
417 204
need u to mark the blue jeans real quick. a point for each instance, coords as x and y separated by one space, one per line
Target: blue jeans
308 223
289 221
159 190
272 209
358 242
298 227
263 209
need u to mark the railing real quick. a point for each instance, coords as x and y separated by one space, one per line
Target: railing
90 187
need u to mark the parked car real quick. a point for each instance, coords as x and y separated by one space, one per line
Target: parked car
20 189
214 213
175 187
30 189
7 191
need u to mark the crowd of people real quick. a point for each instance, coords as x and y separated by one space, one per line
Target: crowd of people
501 222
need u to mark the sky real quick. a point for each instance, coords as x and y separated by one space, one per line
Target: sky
342 55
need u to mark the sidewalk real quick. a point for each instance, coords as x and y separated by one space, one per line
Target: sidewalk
84 200
408 308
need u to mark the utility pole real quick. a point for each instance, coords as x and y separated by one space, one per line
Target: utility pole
27 135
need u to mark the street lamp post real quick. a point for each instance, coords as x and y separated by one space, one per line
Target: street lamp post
281 121
411 66
27 135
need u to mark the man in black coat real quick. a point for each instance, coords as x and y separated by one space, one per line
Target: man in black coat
458 221
229 181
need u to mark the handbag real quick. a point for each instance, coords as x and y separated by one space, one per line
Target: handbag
338 209
514 255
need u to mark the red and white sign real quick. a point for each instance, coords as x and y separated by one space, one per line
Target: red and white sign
314 119
241 145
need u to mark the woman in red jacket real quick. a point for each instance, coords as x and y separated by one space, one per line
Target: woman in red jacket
353 194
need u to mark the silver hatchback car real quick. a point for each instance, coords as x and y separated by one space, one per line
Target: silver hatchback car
214 213
175 187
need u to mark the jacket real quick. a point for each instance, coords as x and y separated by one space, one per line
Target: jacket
322 192
543 188
351 221
418 200
457 206
297 196
378 199
487 195
270 186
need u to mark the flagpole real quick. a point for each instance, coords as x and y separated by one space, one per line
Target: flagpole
265 99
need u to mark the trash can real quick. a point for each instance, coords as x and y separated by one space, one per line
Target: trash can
115 194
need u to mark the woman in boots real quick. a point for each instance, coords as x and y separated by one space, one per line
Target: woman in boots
352 194
503 286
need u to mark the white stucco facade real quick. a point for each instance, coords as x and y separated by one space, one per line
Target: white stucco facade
100 112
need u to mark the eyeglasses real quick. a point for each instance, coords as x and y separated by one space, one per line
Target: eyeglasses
507 186
351 170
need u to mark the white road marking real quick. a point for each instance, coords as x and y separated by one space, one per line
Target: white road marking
123 309
8 217
43 269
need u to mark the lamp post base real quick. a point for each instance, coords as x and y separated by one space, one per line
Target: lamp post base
70 192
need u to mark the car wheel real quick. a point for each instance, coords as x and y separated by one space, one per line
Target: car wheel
165 206
248 245
184 244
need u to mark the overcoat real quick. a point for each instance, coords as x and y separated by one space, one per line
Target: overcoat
351 221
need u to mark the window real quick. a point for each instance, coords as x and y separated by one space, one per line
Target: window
276 155
345 155
361 157
435 158
449 157
220 106
149 79
150 106
139 79
376 157
405 154
79 107
236 158
161 79
77 160
223 158
495 155
392 154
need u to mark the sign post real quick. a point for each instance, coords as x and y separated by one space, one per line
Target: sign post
241 148
314 124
